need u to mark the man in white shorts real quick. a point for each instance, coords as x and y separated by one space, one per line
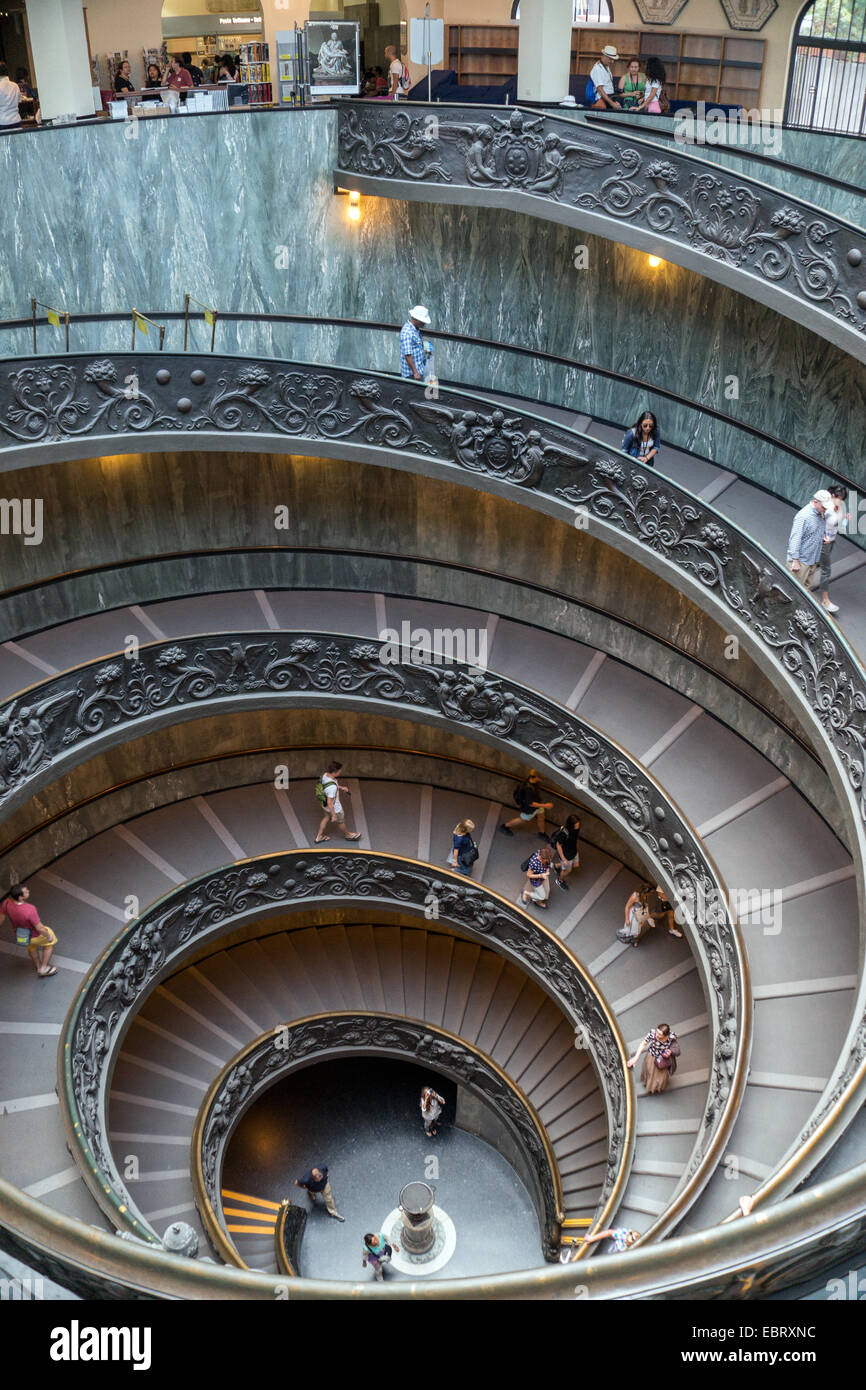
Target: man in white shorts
333 806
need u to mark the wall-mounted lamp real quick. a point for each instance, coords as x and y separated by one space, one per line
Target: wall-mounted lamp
354 206
655 261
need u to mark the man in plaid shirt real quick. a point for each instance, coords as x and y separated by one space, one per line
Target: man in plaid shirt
413 353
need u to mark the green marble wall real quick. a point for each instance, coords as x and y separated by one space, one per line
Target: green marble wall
239 210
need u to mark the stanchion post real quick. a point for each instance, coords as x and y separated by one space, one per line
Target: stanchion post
185 320
66 318
33 312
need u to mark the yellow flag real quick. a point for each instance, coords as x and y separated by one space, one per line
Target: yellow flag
53 319
210 317
141 325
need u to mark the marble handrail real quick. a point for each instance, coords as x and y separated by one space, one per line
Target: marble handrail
749 236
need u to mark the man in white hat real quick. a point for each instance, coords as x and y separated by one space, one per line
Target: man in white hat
414 352
807 538
605 83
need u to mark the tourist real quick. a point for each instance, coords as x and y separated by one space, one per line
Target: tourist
317 1184
399 80
661 910
328 795
464 850
531 809
807 538
414 352
194 72
29 930
619 1236
637 917
10 95
564 845
381 82
660 1062
537 886
153 79
835 519
378 1252
431 1109
603 80
22 78
643 440
632 86
176 76
123 78
655 101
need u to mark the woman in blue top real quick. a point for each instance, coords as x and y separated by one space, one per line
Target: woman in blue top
643 440
462 857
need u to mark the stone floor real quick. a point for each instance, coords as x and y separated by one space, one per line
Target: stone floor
362 1119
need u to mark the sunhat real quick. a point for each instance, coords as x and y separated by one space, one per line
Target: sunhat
419 313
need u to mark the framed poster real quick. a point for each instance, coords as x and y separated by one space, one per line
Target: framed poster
334 49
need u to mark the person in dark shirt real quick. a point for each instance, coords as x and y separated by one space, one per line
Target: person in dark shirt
565 848
531 809
123 78
316 1184
194 72
22 79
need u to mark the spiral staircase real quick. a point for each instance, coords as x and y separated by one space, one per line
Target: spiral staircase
115 822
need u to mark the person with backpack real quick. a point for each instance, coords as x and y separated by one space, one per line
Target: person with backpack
399 77
328 795
564 844
378 1252
29 931
531 809
464 850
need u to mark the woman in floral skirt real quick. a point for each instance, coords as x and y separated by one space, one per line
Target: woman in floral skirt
661 1051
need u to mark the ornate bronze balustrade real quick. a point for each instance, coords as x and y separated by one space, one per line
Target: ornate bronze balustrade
105 702
324 1037
154 946
806 263
66 412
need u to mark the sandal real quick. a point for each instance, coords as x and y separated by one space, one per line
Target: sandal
356 836
320 839
43 974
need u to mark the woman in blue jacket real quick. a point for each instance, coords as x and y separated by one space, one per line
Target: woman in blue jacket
643 440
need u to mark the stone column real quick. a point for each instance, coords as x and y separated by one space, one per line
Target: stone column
416 1213
61 66
544 56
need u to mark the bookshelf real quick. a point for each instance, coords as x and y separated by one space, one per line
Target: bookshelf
255 69
700 67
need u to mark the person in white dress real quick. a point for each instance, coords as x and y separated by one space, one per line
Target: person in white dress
431 1109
